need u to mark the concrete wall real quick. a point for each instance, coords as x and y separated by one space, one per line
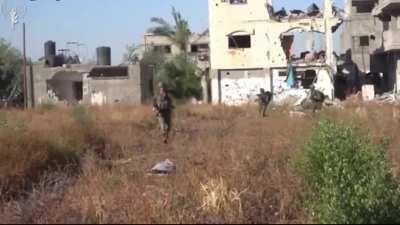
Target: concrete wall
266 50
112 90
56 84
355 26
39 88
236 87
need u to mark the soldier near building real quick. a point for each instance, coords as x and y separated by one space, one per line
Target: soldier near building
162 106
317 99
264 98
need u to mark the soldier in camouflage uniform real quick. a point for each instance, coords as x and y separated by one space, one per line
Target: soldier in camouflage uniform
317 99
264 98
162 105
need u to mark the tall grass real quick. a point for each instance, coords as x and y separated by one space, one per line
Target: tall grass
91 165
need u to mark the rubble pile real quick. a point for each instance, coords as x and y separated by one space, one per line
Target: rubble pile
386 98
313 11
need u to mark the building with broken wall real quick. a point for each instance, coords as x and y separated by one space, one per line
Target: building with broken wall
89 84
371 45
386 54
252 49
359 29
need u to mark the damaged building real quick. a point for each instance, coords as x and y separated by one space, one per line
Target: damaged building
254 49
386 55
371 45
57 82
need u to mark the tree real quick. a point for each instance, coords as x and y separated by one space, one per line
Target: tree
179 33
131 56
10 72
180 74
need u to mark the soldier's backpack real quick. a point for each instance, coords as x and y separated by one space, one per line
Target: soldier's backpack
318 96
165 104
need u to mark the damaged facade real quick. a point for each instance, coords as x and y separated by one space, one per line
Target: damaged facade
71 84
371 45
253 48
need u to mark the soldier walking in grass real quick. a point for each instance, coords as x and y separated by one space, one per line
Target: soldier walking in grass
317 99
163 107
264 98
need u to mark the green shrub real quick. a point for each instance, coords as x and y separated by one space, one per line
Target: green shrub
350 176
182 78
82 117
3 120
46 106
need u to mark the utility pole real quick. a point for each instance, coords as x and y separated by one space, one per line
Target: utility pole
24 65
328 16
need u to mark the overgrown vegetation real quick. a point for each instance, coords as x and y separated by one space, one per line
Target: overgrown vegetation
350 176
179 73
181 76
91 165
10 72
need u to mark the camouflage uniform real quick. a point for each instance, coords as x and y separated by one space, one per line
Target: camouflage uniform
264 98
317 99
163 106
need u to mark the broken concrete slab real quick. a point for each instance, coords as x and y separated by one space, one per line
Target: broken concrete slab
368 92
165 167
293 97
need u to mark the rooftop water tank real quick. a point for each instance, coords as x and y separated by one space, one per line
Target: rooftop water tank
103 56
49 49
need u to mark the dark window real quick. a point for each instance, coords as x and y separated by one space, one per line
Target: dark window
386 25
203 47
240 41
283 74
166 49
308 79
364 41
78 90
194 48
234 2
363 7
112 71
151 86
199 48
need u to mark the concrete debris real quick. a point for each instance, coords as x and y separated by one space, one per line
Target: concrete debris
293 97
313 10
368 92
386 98
297 12
297 114
165 167
281 14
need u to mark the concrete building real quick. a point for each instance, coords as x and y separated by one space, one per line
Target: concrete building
251 46
386 55
359 34
371 44
198 47
89 84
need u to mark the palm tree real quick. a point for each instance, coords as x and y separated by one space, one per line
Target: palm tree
180 73
179 33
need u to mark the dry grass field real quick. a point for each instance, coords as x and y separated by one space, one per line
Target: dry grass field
92 165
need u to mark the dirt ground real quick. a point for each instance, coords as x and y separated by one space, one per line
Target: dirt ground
67 165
